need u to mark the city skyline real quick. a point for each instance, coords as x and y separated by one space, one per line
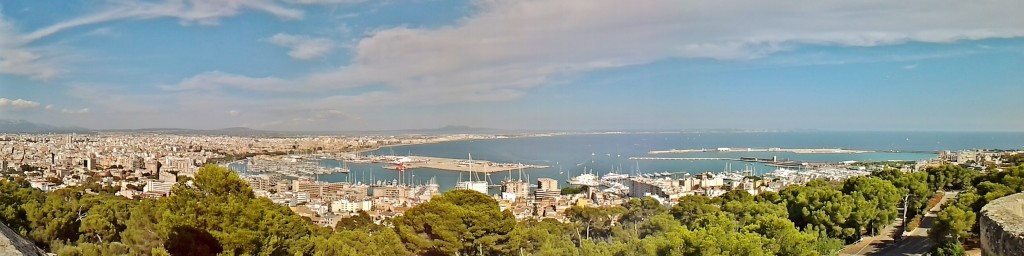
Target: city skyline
349 65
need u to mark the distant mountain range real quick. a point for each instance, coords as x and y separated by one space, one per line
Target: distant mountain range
22 126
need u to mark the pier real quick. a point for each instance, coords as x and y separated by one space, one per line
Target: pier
461 165
685 158
774 162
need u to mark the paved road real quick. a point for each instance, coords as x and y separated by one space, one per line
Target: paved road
917 242
871 244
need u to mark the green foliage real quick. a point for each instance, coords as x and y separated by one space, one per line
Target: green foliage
13 197
958 220
1014 159
572 190
140 232
862 205
875 202
56 218
829 246
953 223
912 185
216 212
220 205
951 177
949 248
595 222
783 237
361 242
689 208
820 206
737 195
216 181
768 197
90 249
361 221
106 220
640 209
457 222
545 237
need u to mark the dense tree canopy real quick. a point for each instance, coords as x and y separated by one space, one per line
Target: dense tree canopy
950 177
913 185
216 212
459 221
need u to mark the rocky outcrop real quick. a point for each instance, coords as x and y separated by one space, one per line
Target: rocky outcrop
13 244
1002 226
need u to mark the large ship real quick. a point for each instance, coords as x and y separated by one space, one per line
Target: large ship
585 179
612 176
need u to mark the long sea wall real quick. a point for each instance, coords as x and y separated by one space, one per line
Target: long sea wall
1002 226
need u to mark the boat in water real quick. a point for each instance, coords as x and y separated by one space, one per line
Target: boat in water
611 176
585 179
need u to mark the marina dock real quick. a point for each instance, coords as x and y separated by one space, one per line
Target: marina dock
684 158
775 162
461 165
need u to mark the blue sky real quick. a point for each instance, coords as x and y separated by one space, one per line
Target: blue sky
569 64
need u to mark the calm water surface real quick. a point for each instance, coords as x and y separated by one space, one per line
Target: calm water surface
571 155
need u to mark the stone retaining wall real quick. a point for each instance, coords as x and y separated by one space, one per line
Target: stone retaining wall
1002 226
13 244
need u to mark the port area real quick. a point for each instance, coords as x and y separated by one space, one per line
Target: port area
460 165
774 162
737 150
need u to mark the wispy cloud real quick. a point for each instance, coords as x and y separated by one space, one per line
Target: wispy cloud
912 66
17 104
16 58
75 111
303 47
504 50
324 2
104 31
215 80
204 12
509 47
19 57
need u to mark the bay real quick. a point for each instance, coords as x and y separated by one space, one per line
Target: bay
571 155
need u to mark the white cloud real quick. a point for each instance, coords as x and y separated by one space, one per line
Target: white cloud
511 46
215 80
18 59
75 111
912 66
103 32
324 2
233 113
303 47
205 12
17 104
516 45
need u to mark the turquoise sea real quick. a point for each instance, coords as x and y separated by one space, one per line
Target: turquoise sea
569 155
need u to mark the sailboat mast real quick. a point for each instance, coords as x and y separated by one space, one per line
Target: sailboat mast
520 173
